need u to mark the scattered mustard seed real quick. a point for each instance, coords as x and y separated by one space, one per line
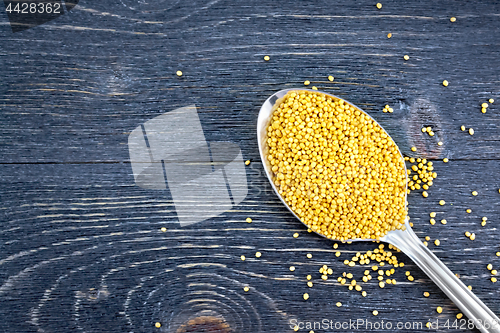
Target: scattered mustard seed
339 304
375 312
453 19
494 272
442 202
309 284
493 279
266 58
307 82
249 220
306 296
445 160
379 5
432 214
258 254
489 267
242 258
437 242
426 294
491 100
472 236
440 143
246 288
471 131
247 162
179 73
439 309
467 234
406 57
459 315
309 255
462 128
296 235
445 83
474 193
163 229
292 268
157 325
330 78
469 210
389 35
413 148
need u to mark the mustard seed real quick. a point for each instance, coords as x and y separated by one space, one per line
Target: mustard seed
246 288
426 294
258 254
307 82
249 220
445 83
266 58
474 193
247 162
163 229
471 131
453 19
179 73
306 296
389 35
330 78
459 315
406 57
379 5
157 325
439 309
491 100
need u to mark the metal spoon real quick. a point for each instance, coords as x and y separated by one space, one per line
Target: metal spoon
484 319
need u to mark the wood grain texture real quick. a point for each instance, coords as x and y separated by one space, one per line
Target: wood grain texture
80 244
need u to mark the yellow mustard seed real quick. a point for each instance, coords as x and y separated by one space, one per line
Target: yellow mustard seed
337 254
484 218
330 78
445 160
489 267
483 110
459 315
443 221
363 293
375 312
462 128
266 58
483 223
432 214
242 258
379 5
471 131
437 242
494 272
249 220
442 202
445 83
163 229
468 210
314 88
309 284
493 279
427 238
301 127
307 82
381 284
484 105
157 325
425 194
431 133
335 246
258 254
292 268
426 294
410 278
338 304
306 296
309 277
296 235
424 130
179 73
247 162
413 148
428 325
440 143
439 309
246 288
467 234
497 254
453 19
474 193
472 236
491 100
389 35
309 255
406 57
425 243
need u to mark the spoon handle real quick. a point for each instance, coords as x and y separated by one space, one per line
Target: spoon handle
483 318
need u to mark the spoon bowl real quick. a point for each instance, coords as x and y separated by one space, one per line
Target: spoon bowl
405 240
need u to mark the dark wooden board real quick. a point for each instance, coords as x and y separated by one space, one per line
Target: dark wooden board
80 243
